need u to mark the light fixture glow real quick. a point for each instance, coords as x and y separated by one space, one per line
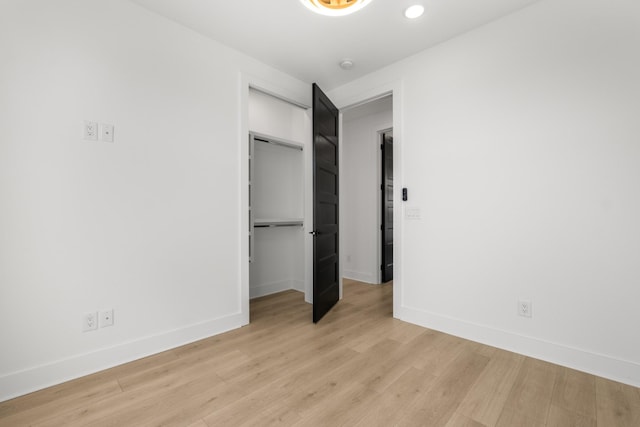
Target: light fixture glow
414 11
335 7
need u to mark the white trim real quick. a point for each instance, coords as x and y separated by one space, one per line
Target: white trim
273 288
29 380
361 277
379 134
341 203
298 285
582 360
243 191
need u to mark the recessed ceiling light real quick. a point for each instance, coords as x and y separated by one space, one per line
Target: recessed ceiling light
335 7
414 11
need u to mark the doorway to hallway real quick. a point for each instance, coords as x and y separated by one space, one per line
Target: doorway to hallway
368 193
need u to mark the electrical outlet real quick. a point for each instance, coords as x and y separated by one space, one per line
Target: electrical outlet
90 131
90 322
106 318
524 308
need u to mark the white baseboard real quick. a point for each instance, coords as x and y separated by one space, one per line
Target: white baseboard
39 377
256 291
298 285
360 277
597 364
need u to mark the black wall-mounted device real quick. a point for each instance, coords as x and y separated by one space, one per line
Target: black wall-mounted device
405 196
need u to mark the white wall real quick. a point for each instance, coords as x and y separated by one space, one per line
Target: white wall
148 225
520 146
272 116
361 197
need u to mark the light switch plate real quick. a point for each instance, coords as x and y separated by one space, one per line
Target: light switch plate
106 318
413 214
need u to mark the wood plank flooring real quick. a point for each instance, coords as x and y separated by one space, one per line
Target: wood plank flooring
376 371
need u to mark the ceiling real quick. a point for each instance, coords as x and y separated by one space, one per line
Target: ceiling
289 37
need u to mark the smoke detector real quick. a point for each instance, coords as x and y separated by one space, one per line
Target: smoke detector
346 64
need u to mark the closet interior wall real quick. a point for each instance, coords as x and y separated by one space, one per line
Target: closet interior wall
278 194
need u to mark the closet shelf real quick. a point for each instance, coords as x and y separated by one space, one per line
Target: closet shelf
280 222
259 137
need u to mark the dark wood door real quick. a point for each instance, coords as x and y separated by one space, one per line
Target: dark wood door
387 207
326 291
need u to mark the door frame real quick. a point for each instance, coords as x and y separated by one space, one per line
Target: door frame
379 200
344 100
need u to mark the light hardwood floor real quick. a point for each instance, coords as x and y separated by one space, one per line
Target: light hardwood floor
358 367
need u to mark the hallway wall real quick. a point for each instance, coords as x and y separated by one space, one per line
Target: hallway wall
361 198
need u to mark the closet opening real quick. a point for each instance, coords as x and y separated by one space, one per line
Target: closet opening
279 197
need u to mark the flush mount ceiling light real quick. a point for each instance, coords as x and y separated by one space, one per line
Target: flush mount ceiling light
414 11
346 64
335 7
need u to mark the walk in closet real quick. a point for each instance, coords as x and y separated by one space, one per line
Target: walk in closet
278 140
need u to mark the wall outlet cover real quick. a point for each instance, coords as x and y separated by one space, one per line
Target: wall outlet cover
90 322
524 308
413 213
90 131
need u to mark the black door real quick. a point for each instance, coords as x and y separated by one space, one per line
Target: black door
387 207
326 290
